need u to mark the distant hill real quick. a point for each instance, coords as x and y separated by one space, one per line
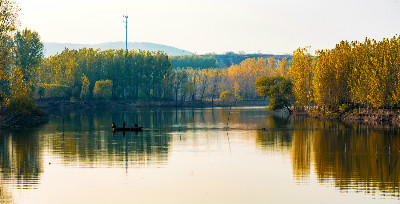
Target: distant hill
54 48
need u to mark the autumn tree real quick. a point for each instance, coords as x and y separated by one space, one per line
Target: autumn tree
85 88
188 89
227 96
8 24
18 84
301 72
240 78
284 67
332 76
179 78
214 82
272 66
21 102
364 74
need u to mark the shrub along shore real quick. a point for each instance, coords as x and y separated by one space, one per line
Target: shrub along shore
21 112
382 118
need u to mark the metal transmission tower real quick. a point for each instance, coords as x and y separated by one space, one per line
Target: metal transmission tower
126 31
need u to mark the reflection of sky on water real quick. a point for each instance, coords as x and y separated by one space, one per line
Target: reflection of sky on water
189 156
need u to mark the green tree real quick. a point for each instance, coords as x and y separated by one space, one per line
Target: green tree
278 89
194 61
103 90
28 52
135 74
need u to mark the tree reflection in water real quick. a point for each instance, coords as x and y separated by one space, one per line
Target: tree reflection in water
353 158
21 162
87 141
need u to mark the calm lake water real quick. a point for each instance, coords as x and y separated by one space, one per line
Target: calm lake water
190 156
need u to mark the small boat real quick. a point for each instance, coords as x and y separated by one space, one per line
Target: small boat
127 129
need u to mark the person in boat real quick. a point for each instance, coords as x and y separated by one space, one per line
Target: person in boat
113 125
123 124
136 125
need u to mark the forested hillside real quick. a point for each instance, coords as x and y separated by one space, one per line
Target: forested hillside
219 61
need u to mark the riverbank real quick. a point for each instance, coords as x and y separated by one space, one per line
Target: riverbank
379 117
49 105
22 120
362 115
22 111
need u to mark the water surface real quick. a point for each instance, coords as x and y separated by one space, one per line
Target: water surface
202 155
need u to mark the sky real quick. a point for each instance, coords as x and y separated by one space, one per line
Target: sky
214 26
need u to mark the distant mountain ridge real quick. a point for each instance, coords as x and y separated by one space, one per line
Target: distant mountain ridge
54 48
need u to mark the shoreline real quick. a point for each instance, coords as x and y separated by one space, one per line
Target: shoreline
48 107
54 105
382 118
17 121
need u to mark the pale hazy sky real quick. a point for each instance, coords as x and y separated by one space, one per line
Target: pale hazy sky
204 26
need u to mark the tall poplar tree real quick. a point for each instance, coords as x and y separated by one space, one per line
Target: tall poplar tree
28 52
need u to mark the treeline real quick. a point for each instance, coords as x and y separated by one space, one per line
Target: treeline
363 74
237 81
230 58
90 74
194 61
219 60
139 75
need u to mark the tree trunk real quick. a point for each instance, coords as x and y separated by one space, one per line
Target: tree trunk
290 111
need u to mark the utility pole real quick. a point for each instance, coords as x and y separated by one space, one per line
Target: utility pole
126 31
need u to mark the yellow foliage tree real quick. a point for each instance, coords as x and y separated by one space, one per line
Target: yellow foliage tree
302 72
284 67
85 87
227 96
18 85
